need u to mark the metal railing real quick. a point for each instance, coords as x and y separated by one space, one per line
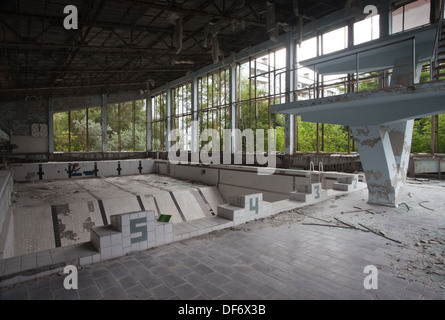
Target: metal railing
356 78
434 60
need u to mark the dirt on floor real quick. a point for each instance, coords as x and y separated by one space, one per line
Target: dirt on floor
415 231
69 191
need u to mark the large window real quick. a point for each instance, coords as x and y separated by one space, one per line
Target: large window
159 122
312 137
412 15
367 30
127 130
213 102
81 130
261 82
78 130
334 40
182 112
429 135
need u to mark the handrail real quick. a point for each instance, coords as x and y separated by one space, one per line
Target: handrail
438 33
357 54
353 54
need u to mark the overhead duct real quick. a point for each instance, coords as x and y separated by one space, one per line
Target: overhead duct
296 8
238 25
212 29
215 28
175 19
270 17
271 25
206 35
178 36
298 30
216 52
182 62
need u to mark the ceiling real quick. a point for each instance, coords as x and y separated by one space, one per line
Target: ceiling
121 44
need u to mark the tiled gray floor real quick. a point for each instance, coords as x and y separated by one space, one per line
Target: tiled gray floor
263 260
138 292
90 293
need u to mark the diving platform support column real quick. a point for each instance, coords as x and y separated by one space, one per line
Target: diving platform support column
385 153
385 149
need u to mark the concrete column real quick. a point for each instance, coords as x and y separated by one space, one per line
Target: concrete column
233 109
385 19
104 123
290 87
169 117
149 120
50 126
195 123
385 153
385 149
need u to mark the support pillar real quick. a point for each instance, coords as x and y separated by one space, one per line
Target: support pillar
149 106
233 106
104 124
289 130
50 126
195 124
385 153
385 19
169 118
385 149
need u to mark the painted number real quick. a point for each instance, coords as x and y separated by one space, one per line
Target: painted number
252 207
317 192
371 281
138 228
371 11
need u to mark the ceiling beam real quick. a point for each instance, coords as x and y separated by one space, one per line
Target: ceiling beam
86 48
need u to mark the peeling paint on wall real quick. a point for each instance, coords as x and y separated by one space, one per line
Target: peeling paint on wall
371 142
385 157
375 175
19 116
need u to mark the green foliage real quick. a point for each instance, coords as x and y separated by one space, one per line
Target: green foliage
335 137
422 135
126 129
